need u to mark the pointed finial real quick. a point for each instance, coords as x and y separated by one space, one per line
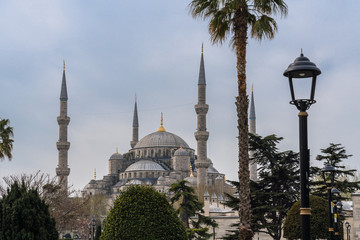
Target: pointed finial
181 146
301 53
161 128
252 87
95 174
117 151
202 47
135 98
63 65
191 172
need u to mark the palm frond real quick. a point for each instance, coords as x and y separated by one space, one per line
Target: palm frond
264 27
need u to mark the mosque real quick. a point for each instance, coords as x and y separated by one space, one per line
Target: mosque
158 159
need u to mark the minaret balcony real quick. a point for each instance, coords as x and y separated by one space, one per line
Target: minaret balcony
63 145
201 135
63 120
62 171
201 108
202 164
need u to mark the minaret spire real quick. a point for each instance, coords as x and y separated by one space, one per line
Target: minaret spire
252 129
135 126
63 171
201 135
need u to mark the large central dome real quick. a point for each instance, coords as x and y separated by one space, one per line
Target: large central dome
161 139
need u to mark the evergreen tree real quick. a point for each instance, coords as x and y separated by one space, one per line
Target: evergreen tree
345 181
141 213
189 210
24 216
276 190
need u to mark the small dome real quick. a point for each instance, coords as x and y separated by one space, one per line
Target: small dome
116 156
219 178
191 180
145 165
161 178
181 152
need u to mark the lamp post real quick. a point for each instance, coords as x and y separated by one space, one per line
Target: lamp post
328 174
348 227
89 230
336 193
214 223
302 69
93 224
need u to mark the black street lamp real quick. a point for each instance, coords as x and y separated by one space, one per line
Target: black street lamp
336 193
348 227
302 69
214 224
328 174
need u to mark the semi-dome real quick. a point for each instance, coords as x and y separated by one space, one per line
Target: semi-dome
161 139
145 165
181 152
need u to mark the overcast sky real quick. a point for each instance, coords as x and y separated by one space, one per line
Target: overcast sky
114 49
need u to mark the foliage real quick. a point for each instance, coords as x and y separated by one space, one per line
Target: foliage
6 141
232 18
189 210
98 232
345 180
68 212
139 213
319 224
278 186
24 216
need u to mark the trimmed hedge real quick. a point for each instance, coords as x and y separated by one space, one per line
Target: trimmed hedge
141 213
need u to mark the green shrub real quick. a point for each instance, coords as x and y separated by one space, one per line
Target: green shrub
141 213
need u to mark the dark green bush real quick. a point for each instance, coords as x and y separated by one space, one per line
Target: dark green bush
141 213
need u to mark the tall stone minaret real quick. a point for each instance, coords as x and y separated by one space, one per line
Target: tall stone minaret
252 129
135 127
201 135
63 171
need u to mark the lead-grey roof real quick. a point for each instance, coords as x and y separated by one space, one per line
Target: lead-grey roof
252 107
202 71
161 139
211 169
181 152
63 93
116 156
135 119
145 165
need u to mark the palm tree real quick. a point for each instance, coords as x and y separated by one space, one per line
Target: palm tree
234 18
6 132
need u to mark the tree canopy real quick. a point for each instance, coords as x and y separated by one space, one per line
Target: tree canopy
319 224
24 216
190 211
345 180
6 141
141 213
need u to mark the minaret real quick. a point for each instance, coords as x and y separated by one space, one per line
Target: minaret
252 129
62 171
201 135
135 127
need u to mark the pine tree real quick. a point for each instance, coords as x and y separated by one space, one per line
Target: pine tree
276 190
345 181
189 210
24 216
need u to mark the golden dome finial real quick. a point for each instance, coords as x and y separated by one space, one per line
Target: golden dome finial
181 146
95 174
117 151
191 172
202 47
161 128
64 65
135 98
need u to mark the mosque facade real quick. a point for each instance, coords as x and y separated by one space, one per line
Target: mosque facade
158 159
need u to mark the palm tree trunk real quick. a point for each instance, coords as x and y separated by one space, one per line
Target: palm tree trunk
240 31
